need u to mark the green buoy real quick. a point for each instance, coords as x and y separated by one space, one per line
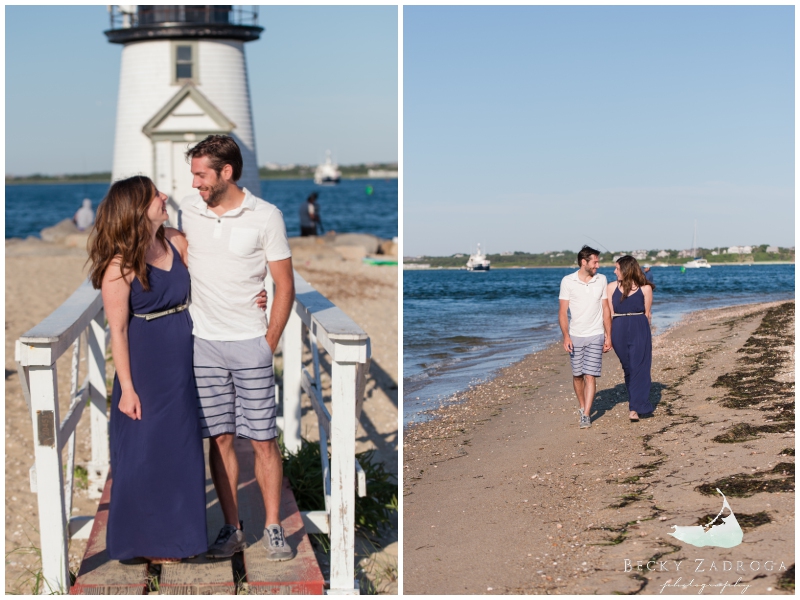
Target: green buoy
369 190
683 269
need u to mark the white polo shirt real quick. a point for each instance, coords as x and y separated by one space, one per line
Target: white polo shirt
228 258
585 304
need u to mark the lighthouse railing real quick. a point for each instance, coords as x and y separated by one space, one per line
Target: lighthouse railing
124 17
80 323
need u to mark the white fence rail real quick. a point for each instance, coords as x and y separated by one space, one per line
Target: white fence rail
82 317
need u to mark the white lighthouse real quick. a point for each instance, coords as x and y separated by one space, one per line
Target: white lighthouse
183 76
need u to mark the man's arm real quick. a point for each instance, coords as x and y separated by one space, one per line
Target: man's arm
283 275
563 322
606 326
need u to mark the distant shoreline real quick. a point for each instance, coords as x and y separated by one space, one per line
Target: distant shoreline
108 181
720 264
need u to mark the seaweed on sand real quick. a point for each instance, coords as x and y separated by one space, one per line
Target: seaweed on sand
754 381
786 581
745 521
743 485
742 432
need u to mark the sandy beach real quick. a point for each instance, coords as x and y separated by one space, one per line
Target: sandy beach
503 493
40 276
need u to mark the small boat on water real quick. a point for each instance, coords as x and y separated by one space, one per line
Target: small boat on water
478 261
328 172
722 535
697 262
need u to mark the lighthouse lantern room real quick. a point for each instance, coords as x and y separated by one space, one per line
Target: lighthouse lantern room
183 76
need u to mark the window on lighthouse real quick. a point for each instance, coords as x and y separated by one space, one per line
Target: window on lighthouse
184 63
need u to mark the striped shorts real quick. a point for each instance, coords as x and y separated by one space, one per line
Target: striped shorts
587 355
236 388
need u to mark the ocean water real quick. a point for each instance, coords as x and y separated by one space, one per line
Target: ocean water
460 327
345 208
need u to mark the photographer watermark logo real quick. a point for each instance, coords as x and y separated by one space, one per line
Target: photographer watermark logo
726 534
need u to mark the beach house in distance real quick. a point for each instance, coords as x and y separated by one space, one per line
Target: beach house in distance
183 76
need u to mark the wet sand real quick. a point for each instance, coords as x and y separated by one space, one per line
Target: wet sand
40 276
503 493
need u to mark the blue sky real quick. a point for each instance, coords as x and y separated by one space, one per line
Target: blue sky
531 128
321 77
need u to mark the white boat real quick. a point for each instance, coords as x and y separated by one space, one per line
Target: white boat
478 261
328 172
698 262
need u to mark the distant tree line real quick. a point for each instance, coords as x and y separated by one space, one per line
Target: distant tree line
569 258
359 171
103 177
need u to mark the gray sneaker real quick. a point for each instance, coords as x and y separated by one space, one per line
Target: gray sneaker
586 421
229 541
580 410
275 543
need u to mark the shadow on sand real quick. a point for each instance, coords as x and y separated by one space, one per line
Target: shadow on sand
605 400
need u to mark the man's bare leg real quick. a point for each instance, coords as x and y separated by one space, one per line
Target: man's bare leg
225 474
269 473
577 383
589 389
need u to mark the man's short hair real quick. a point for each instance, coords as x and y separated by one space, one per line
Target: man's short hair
585 253
221 150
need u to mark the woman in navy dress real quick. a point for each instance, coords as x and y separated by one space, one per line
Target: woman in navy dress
630 299
158 508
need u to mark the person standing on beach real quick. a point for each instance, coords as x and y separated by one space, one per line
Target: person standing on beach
309 216
157 509
233 238
647 274
84 217
587 332
630 299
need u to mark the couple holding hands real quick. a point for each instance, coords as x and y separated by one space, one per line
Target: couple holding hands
603 316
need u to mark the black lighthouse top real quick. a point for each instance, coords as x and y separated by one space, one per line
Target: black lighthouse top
133 23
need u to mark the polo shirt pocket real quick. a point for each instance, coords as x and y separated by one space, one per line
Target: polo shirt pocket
244 241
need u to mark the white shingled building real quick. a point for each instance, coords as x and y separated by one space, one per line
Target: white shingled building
183 76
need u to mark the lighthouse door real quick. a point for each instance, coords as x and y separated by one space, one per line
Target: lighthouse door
181 172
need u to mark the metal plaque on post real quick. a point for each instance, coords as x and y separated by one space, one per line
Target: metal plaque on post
47 427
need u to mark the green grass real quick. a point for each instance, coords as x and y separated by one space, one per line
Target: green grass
304 471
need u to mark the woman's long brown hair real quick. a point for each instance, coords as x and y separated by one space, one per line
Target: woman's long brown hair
631 273
122 229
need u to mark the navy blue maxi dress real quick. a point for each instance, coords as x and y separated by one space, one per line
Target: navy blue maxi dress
158 503
633 345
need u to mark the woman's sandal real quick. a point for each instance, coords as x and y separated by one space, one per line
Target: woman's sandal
634 419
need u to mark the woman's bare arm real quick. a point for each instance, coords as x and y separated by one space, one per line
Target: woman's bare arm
116 292
648 302
180 242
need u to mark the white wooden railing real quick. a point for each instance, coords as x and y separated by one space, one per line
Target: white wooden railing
82 317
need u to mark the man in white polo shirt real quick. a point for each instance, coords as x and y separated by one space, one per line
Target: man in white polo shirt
233 236
589 333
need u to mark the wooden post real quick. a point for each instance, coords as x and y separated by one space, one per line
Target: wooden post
96 356
292 380
50 478
343 472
